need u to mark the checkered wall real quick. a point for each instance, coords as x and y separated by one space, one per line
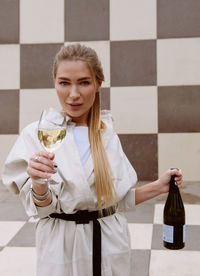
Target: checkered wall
151 58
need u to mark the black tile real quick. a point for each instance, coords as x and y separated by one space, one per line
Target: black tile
178 109
143 213
37 64
9 111
86 20
25 237
157 237
142 152
105 98
133 63
9 21
178 18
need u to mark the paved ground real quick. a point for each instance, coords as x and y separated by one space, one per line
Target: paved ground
149 258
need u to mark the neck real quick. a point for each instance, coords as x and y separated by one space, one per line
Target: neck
81 124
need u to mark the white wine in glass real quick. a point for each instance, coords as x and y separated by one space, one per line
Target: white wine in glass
51 130
51 139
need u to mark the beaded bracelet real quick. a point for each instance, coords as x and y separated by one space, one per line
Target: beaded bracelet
39 196
42 200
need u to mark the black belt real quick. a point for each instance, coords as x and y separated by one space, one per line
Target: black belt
84 217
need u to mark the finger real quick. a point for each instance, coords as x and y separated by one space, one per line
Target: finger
179 184
41 159
33 173
42 167
178 178
175 171
47 154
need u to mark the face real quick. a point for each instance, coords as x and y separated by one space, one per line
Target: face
76 89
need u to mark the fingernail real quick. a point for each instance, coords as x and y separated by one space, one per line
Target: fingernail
50 155
55 166
54 171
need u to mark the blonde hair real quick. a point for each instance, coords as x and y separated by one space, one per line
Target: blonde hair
102 170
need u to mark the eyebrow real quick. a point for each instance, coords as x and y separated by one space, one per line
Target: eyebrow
80 79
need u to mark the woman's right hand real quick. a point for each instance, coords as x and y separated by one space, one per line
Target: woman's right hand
41 165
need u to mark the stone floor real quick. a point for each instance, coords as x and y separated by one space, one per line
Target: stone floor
149 257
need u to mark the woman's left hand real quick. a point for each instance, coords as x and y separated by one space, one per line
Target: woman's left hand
166 177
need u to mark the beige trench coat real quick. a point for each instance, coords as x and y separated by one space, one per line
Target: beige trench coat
64 248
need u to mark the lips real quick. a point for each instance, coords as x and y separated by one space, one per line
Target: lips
74 105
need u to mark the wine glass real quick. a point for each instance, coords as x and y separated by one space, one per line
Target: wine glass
51 131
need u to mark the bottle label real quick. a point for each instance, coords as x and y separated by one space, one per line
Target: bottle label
168 233
183 233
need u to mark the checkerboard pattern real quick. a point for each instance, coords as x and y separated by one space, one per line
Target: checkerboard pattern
150 54
149 257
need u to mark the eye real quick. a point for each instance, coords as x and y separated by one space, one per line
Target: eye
64 83
85 83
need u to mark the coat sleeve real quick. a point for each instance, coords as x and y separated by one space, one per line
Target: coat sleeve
128 201
15 177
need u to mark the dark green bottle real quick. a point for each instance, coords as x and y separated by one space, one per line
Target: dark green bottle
174 219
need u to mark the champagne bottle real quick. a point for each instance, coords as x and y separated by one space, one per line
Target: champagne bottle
174 219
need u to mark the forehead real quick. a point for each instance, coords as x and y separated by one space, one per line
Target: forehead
73 68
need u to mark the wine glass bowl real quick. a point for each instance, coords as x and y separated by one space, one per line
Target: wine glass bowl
51 129
51 139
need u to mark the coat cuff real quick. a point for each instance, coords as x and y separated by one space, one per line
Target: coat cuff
31 208
47 210
127 204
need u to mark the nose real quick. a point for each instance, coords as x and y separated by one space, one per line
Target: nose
74 93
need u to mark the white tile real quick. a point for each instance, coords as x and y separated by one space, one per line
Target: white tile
6 143
132 19
134 109
141 235
41 21
178 61
174 263
158 214
178 150
33 101
102 49
8 229
192 214
9 66
18 261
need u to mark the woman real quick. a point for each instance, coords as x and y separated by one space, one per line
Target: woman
82 229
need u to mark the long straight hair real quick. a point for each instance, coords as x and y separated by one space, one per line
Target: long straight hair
102 171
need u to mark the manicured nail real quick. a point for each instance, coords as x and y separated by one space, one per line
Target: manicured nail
55 166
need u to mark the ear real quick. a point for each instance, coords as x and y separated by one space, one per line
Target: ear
99 83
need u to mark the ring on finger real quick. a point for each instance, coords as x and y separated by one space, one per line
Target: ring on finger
37 158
